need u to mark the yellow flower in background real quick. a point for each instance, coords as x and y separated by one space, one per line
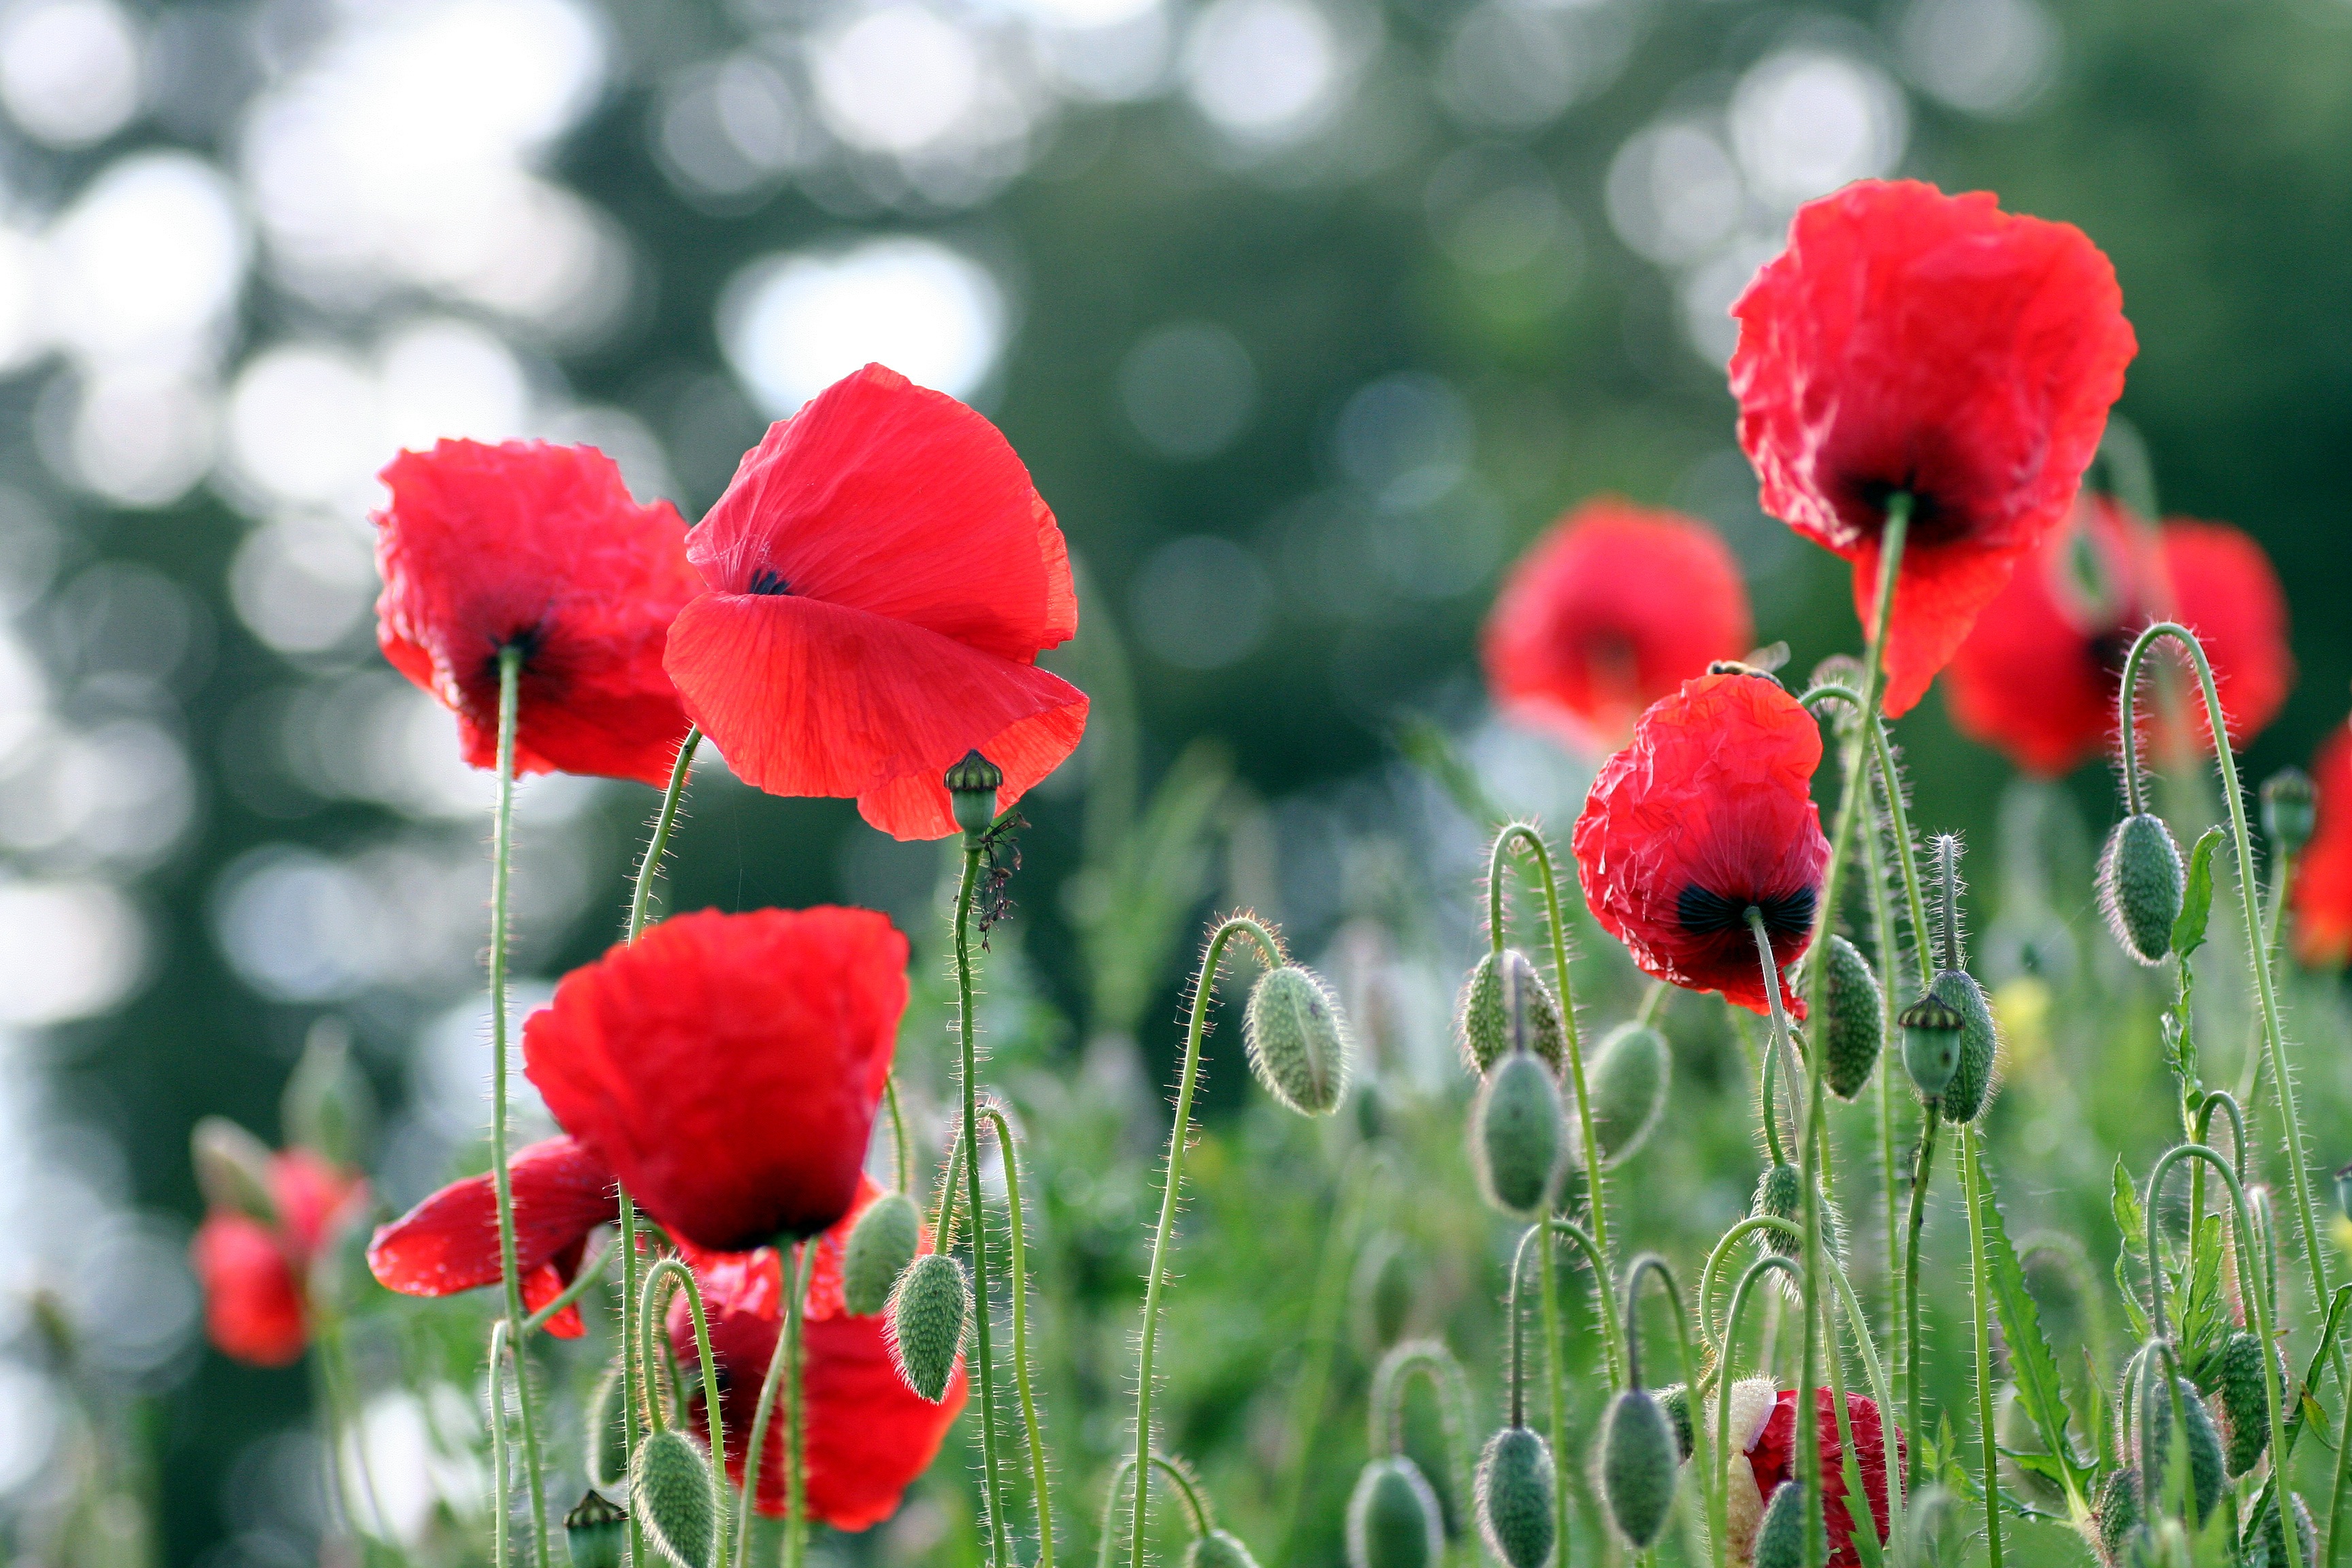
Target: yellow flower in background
2021 1008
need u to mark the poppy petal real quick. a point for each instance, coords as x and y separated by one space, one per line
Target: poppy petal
449 1242
1937 595
2322 873
253 1303
544 1284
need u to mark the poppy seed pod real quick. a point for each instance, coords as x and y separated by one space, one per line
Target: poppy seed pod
2290 809
2266 1544
2115 1514
1963 1099
606 1451
1931 1044
1780 1537
1638 1465
596 1530
674 1498
927 1317
1484 1016
1674 1400
971 786
881 1244
1853 1023
2234 1377
1515 1498
2151 1419
1297 1041
1519 1136
1392 1518
2140 886
1218 1549
1625 1085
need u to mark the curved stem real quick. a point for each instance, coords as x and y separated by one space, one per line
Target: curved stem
902 1165
653 1310
795 1267
1020 1284
1555 1374
983 1356
2274 1041
657 845
2250 1081
1588 1245
1651 1000
1899 824
1651 1263
1204 1518
1777 1048
1720 1488
1856 1320
1270 950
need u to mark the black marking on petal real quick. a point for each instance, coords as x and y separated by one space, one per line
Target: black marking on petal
768 580
1702 911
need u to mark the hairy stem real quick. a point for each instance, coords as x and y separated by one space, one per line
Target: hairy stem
983 1356
1922 1172
794 1265
1020 1282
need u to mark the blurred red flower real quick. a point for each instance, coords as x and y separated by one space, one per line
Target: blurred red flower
1910 341
1615 606
2038 678
485 547
1771 1445
254 1270
868 1436
727 1067
2323 874
882 576
449 1242
1709 811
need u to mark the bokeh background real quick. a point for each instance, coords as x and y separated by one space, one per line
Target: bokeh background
1305 313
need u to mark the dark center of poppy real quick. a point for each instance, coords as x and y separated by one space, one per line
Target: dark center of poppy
1703 912
768 580
1931 521
524 640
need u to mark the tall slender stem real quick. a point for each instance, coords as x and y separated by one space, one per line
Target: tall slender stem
983 1356
1555 1380
500 1484
1922 1171
1019 1283
795 1266
795 1428
510 1271
1270 950
1972 1178
651 1313
2250 1081
1882 918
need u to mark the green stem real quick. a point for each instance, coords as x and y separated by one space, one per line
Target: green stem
1890 1036
651 1312
795 1266
902 1160
501 1483
580 1285
983 1356
1602 1284
1719 1491
1323 1335
1922 1172
1857 1320
1651 1263
1652 1000
1555 1378
1270 950
2273 1038
2343 1479
1204 1518
1019 1283
2250 1081
659 844
1972 1181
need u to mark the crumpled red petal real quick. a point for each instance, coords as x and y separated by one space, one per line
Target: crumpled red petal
2322 873
1772 1460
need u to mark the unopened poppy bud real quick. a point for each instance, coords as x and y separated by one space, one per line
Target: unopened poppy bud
2266 1544
1392 1518
674 1498
2116 1513
2290 809
928 1313
881 1244
1780 1195
1931 1044
1852 1022
971 785
1780 1537
328 1106
596 1529
1297 1041
2234 1377
1515 1498
606 1451
2140 886
1484 1012
1674 1400
1218 1549
1638 1465
233 1169
2151 1418
1625 1087
1519 1137
1382 1294
1963 1099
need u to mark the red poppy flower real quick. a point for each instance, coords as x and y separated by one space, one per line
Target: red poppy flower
868 1436
485 547
2323 874
883 576
1910 341
1764 1423
727 1067
449 1242
1611 608
253 1269
753 1282
1709 811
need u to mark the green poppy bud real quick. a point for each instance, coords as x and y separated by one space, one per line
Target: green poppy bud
928 1312
1218 1549
1515 1498
1625 1085
1298 1042
606 1451
2140 886
881 1244
329 1107
233 1169
1674 1400
1931 1044
597 1530
1780 1195
1483 1016
1964 1097
2234 1377
971 785
1638 1465
1852 1022
2116 1515
2290 809
674 1498
2151 1413
1780 1536
1392 1518
2266 1544
1520 1139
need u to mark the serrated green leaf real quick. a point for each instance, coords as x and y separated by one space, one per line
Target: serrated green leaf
2123 1204
2197 896
2031 1362
2127 1291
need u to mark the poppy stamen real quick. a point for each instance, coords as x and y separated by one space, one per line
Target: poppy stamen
768 580
1702 911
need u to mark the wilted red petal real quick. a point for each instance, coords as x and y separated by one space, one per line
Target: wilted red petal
727 1067
450 1241
253 1302
1910 341
2323 874
1772 1460
1709 811
1615 606
485 546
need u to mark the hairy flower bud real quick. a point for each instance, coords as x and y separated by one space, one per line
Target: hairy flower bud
1383 1293
1297 1041
1780 1195
2115 1514
674 1498
2151 1418
1931 1044
1853 1023
1218 1549
2266 1544
1638 1465
971 786
1625 1087
2234 1377
1515 1498
881 1244
1780 1537
1674 1400
597 1530
928 1312
606 1451
1392 1518
2290 809
1964 1097
1519 1137
1483 1016
2140 886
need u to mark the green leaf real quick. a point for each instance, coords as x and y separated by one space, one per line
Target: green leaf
2197 896
2127 1291
2031 1363
2123 1203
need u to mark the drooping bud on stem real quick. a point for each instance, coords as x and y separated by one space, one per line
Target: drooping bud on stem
928 1312
2140 886
1521 1135
881 1245
1515 1498
2234 1377
2344 1189
1298 1040
1853 1023
1638 1465
2290 809
1484 1016
2151 1394
1218 1549
1392 1518
1625 1085
971 786
674 1498
1780 1537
